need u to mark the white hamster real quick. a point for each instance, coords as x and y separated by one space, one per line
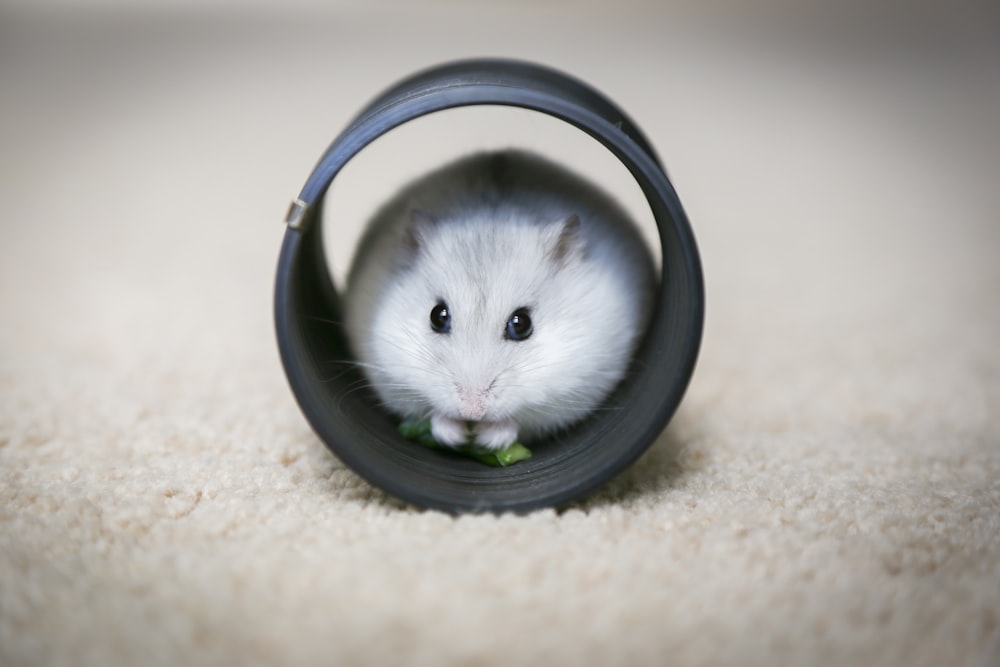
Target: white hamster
500 296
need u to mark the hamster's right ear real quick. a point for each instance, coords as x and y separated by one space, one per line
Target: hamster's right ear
567 244
418 228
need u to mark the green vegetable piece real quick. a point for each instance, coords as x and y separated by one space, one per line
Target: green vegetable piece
413 429
512 454
420 431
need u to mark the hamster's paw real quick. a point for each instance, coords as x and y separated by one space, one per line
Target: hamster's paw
450 432
496 435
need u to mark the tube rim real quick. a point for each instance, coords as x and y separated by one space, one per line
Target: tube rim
304 294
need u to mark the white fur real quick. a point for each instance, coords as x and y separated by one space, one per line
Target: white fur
487 247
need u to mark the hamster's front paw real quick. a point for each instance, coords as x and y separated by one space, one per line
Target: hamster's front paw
450 432
496 435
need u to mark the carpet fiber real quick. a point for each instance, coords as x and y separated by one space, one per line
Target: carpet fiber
828 493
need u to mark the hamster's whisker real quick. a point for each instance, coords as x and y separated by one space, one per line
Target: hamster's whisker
387 370
431 363
324 320
425 353
357 386
544 364
337 376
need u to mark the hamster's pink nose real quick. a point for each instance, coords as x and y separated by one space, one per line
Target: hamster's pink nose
472 403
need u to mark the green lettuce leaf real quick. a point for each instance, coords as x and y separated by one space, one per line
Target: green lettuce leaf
419 430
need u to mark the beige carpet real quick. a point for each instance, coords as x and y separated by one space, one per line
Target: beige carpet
829 492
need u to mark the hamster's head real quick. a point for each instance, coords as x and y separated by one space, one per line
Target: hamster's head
507 324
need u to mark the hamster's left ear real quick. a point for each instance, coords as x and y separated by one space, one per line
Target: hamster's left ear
566 243
418 227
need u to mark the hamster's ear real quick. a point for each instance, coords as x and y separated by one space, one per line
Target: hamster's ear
566 243
417 230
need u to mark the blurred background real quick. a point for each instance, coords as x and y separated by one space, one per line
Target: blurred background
839 163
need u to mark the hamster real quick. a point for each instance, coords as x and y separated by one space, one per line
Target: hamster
500 296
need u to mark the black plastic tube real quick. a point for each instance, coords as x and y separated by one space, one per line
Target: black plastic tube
330 391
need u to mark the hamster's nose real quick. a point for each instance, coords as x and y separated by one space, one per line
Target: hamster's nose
472 403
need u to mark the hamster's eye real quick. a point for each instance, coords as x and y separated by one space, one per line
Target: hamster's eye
440 318
519 325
